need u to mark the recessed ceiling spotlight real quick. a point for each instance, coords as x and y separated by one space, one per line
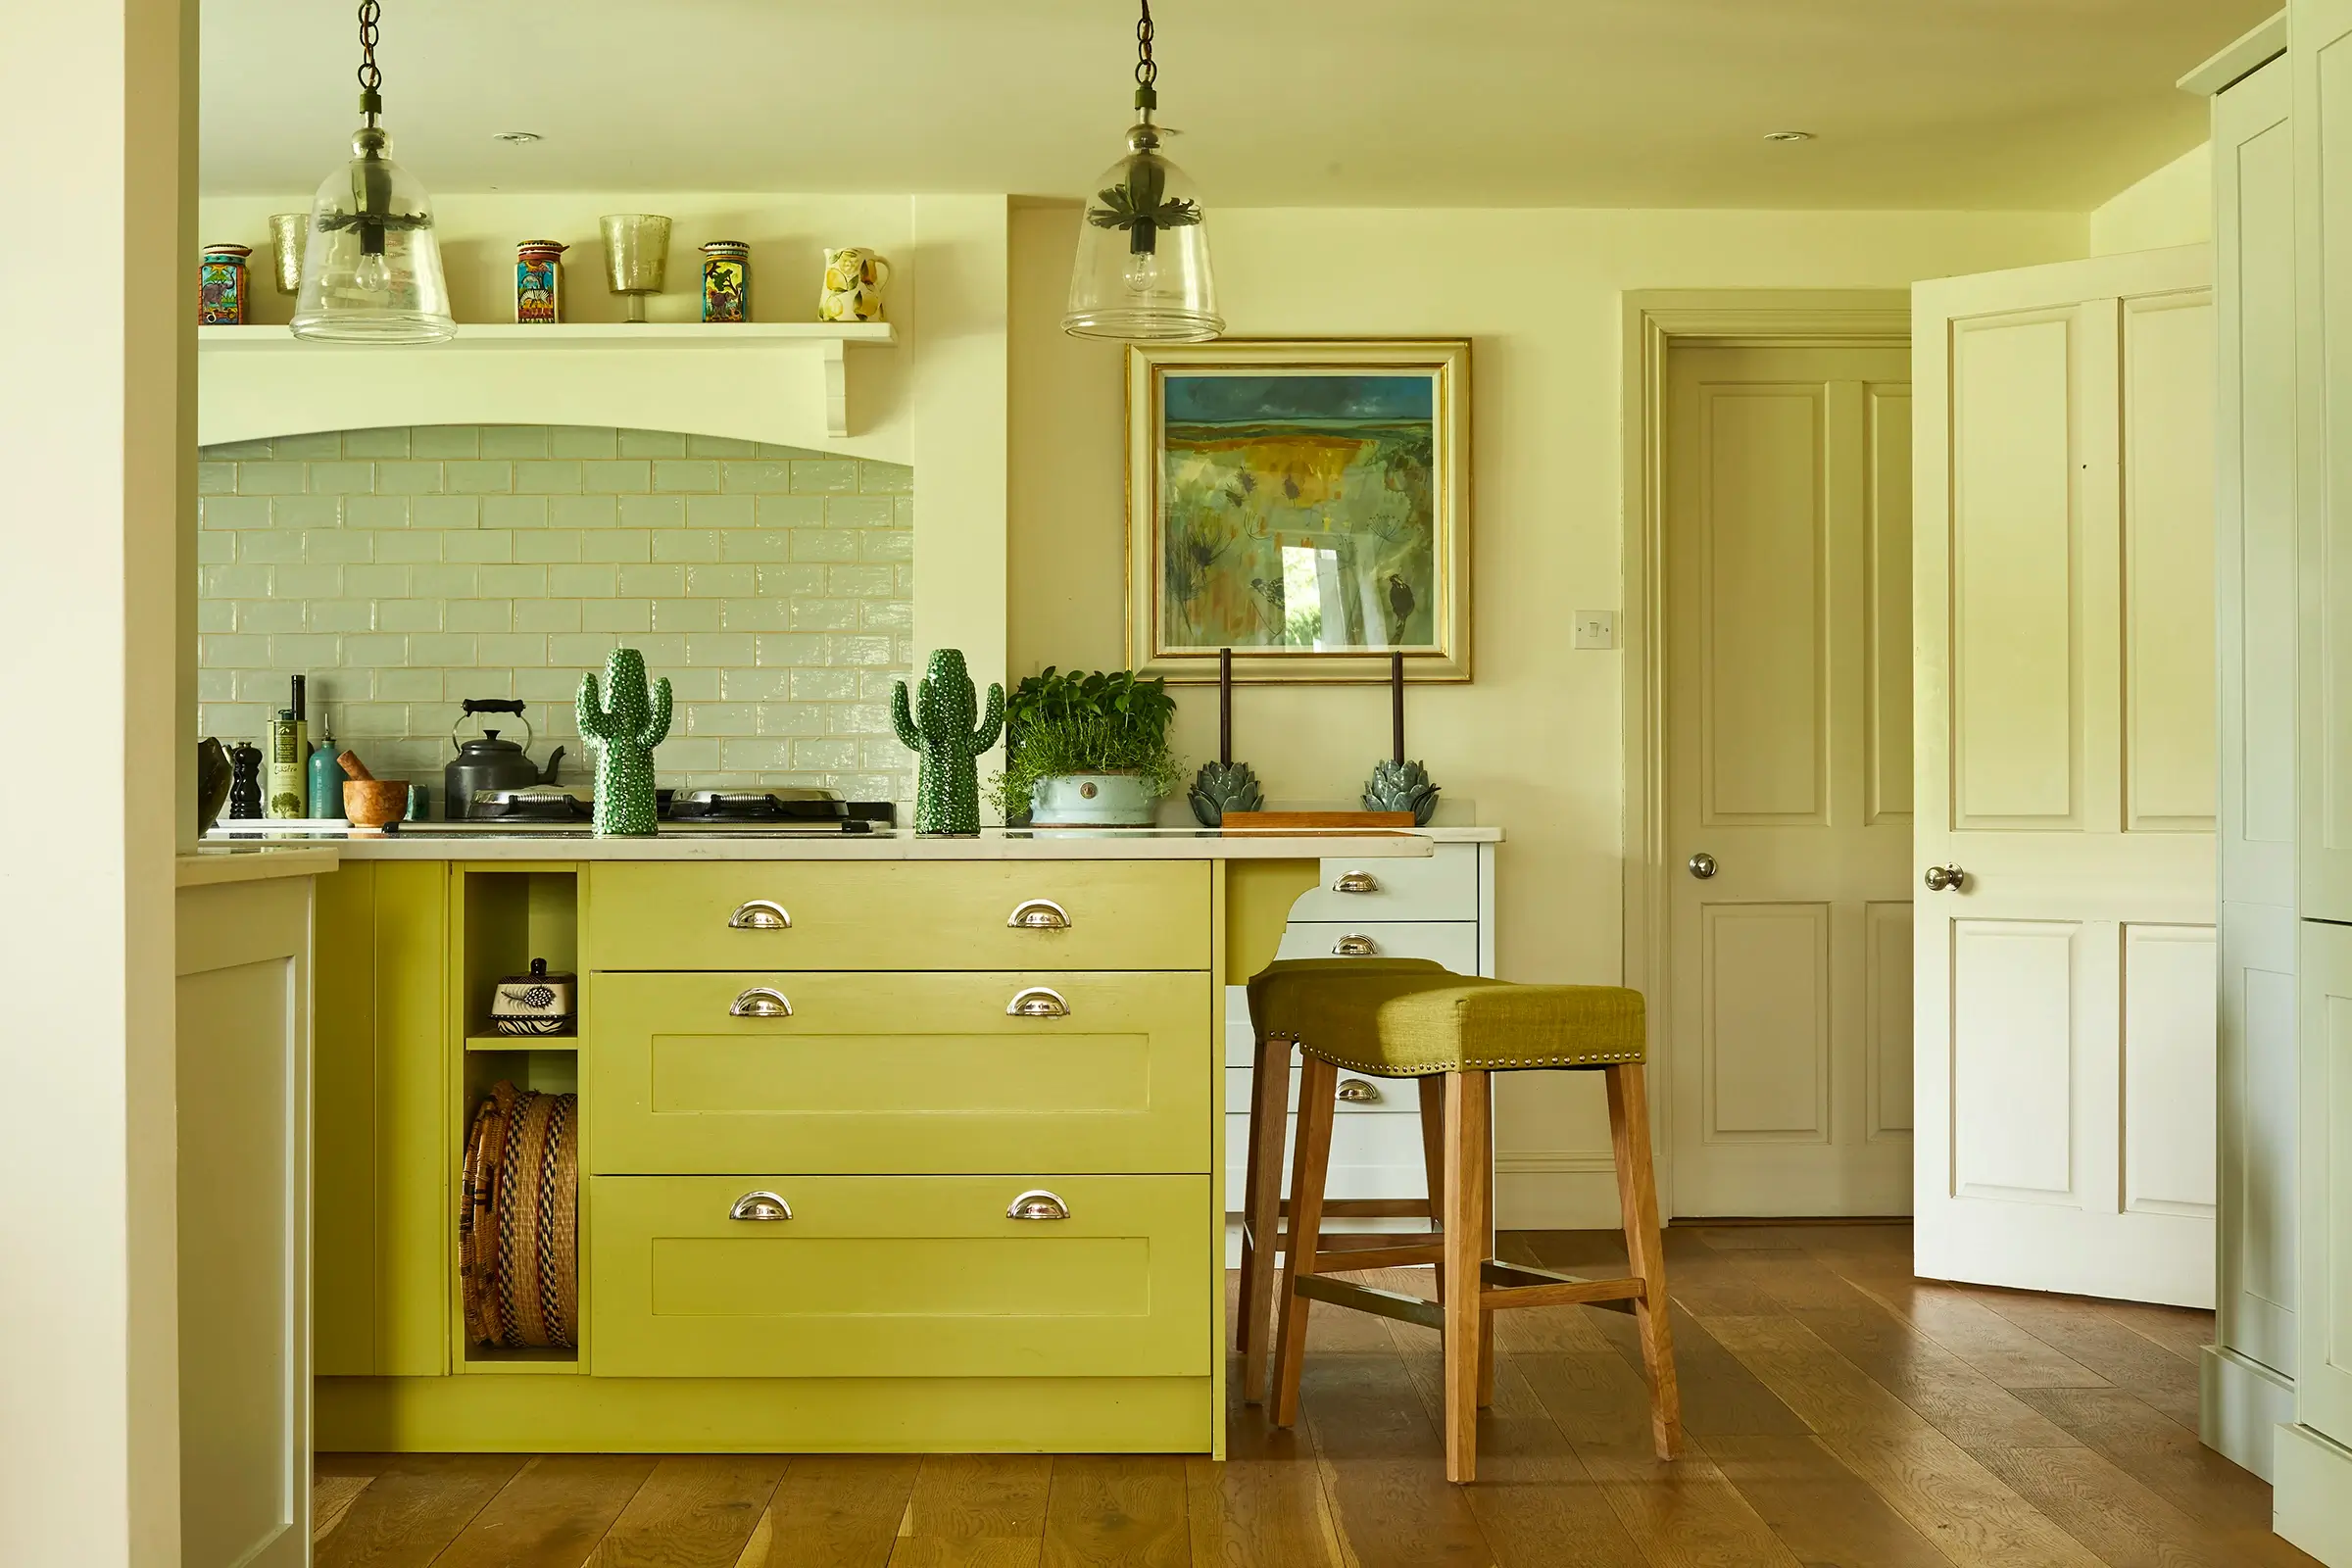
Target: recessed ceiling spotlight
1788 135
518 139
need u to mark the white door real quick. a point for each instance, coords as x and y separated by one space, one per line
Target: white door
1788 544
2066 766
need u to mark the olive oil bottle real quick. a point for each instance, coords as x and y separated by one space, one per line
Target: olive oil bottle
288 759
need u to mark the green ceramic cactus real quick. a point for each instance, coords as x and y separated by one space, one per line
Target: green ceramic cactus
941 731
625 735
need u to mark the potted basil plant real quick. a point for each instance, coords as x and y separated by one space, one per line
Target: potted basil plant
1086 750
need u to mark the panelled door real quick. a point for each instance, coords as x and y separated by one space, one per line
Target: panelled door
1787 571
2065 606
2321 64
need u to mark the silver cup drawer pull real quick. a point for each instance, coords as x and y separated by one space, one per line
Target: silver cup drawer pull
1356 945
1037 1001
1358 1092
760 1001
1038 1203
762 1206
1039 914
1356 882
759 914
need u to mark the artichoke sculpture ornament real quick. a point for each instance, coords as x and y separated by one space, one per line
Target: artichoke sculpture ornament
1221 787
1401 786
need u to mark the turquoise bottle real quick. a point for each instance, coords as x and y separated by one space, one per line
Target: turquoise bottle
326 775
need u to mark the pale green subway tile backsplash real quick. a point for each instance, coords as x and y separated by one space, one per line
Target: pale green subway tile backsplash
402 569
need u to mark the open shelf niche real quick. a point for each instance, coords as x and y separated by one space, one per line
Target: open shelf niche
505 916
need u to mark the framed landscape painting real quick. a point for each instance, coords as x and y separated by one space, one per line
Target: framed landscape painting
1305 504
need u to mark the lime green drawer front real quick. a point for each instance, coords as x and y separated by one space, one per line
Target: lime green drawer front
899 1276
895 915
899 1073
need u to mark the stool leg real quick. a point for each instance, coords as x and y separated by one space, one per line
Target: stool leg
1261 1212
1466 1202
1433 1154
1485 1244
1637 1198
1318 1084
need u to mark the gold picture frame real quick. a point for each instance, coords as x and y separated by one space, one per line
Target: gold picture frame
1305 502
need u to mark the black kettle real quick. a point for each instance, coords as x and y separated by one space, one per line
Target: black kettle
487 763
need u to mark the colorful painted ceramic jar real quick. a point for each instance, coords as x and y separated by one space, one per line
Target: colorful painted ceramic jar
539 282
726 281
221 285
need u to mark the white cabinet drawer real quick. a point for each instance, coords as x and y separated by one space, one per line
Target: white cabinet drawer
1390 1094
1444 887
1451 943
1371 1156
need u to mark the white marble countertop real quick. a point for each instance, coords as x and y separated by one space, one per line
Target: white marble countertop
992 844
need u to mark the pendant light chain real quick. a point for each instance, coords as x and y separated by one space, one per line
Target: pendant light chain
371 79
1146 71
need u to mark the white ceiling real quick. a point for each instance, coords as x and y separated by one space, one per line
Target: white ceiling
1969 104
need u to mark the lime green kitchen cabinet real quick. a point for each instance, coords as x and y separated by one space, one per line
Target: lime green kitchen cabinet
898 1052
900 1276
381 1180
899 1073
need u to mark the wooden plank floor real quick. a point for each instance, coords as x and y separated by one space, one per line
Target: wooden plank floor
1840 1413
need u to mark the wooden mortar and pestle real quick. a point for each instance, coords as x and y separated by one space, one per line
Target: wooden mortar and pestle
369 801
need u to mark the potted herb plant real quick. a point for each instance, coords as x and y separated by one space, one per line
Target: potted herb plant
1086 750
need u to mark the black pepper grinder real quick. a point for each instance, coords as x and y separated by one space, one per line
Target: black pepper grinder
245 781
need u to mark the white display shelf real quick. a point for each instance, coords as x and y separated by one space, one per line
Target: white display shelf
790 376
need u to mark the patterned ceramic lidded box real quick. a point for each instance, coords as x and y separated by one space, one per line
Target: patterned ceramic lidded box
534 1004
539 282
221 285
726 281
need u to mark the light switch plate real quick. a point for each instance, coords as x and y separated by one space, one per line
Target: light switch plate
1596 628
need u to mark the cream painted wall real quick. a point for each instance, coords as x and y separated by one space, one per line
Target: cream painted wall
1533 743
2172 205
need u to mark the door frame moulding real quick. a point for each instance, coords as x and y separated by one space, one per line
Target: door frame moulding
1656 321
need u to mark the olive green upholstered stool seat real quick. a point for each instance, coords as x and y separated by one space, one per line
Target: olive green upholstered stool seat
1410 1019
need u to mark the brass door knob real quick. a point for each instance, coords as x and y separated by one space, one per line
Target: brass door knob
1703 866
1945 879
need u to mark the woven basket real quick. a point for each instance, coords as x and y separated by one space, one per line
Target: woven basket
519 1221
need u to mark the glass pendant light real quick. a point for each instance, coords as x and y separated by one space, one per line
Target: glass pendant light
1142 253
372 272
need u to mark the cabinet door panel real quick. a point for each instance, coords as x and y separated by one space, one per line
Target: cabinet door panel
898 1073
904 915
900 1276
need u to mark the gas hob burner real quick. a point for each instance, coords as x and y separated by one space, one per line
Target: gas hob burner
757 806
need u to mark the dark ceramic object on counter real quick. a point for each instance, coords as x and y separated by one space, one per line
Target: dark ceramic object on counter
213 775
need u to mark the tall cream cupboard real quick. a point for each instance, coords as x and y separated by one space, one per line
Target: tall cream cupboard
2283 184
2248 1373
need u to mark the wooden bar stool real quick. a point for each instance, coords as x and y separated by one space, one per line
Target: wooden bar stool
1263 1241
1415 1019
